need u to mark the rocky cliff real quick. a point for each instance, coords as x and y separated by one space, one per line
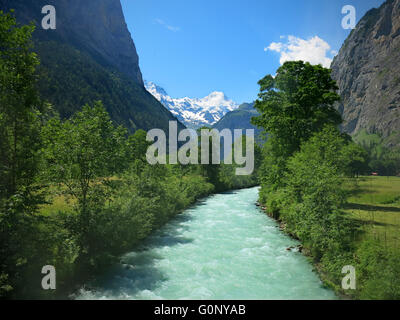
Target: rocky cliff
367 70
90 56
95 26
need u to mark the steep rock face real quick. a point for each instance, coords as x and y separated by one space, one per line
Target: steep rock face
95 26
90 56
367 70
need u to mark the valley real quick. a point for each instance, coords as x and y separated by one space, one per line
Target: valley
126 192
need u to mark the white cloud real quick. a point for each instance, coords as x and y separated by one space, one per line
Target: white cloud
314 50
274 46
169 27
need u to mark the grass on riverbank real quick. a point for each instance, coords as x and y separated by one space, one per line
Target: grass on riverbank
375 202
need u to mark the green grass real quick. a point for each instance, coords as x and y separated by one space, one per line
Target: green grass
375 202
59 203
56 202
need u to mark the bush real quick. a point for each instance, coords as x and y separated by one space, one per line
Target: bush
378 272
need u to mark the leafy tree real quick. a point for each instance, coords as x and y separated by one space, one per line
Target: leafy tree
136 149
355 160
293 105
138 145
83 154
19 144
227 172
312 199
19 108
210 171
296 103
382 159
378 269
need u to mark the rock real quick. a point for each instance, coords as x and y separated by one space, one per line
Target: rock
91 37
96 26
367 70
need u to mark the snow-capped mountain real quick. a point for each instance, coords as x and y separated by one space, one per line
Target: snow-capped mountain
194 112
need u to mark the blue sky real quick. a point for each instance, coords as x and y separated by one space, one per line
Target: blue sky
194 47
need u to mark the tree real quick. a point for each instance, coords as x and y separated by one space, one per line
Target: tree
19 108
355 160
296 103
314 193
137 145
83 155
19 143
293 105
210 170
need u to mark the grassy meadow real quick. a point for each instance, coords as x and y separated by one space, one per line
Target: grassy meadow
375 203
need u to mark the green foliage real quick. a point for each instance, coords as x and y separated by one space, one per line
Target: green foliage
18 107
305 161
82 154
145 202
382 159
111 197
378 272
293 105
19 147
223 176
69 78
137 146
116 197
296 103
355 160
227 173
314 194
304 180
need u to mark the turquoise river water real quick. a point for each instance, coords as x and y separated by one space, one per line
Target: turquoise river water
222 248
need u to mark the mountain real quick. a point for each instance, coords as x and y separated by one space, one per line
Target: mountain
367 70
240 119
90 56
194 113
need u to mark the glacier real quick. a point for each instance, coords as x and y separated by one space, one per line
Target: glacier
194 113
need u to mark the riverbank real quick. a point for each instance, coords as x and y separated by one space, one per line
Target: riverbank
223 247
374 204
71 276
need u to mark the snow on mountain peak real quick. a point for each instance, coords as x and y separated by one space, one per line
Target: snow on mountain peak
194 112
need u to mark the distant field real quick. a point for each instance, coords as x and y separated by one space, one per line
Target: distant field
375 201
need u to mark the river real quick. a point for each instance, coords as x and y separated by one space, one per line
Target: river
224 247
